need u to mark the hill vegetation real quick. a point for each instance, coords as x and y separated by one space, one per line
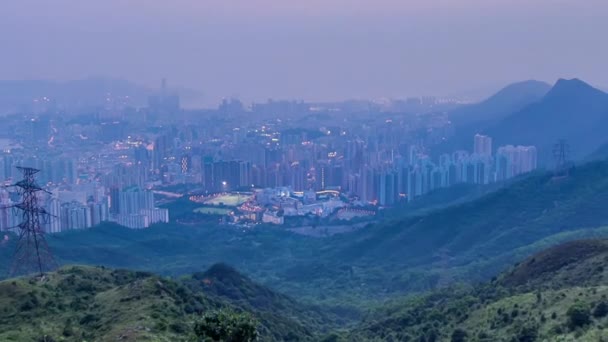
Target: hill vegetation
413 251
557 295
477 239
79 303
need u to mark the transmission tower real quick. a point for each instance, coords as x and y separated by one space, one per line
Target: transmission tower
32 254
560 155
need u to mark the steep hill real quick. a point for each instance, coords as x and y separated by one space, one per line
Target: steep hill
277 312
571 110
481 237
89 303
576 263
508 100
79 303
539 300
476 118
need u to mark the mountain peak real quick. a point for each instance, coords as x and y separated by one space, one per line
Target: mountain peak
571 87
224 272
527 85
221 273
508 100
520 90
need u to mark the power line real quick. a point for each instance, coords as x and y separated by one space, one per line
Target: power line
560 156
32 253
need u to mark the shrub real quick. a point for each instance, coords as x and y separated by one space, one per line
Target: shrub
601 310
459 335
528 333
226 326
178 328
578 315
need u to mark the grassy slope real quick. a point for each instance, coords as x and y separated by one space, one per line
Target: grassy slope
532 299
490 229
88 303
277 311
80 303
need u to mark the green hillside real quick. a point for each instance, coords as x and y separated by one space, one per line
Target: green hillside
479 238
277 312
89 303
82 303
560 294
414 250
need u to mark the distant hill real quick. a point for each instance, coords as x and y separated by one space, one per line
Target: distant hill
571 110
475 118
93 91
78 303
557 295
480 237
508 100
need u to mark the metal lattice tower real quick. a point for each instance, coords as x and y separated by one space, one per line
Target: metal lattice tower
32 254
560 155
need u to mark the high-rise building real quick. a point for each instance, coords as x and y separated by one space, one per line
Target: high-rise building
75 215
133 221
515 160
99 212
132 201
115 200
156 215
8 217
164 102
54 220
482 145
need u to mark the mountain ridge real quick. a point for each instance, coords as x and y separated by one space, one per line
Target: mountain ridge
572 110
469 120
554 308
511 98
76 303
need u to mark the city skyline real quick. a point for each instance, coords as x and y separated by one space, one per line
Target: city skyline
315 51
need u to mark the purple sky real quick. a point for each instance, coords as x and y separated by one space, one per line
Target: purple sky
313 49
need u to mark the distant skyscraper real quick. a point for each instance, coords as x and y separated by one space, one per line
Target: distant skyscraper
164 102
482 145
515 160
75 215
134 200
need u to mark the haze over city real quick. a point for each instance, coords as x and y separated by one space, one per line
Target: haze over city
303 171
311 50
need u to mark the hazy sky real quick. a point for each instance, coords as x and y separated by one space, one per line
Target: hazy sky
308 49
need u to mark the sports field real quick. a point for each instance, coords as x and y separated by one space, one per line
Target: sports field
229 200
212 211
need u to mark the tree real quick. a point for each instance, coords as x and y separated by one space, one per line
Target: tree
459 335
601 310
528 333
578 315
226 326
